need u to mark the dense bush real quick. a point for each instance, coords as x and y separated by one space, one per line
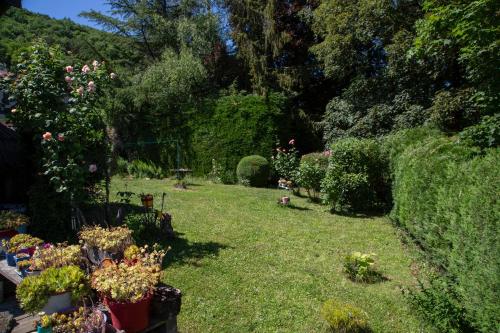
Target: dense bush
344 318
233 126
311 172
486 134
356 179
253 171
453 110
446 196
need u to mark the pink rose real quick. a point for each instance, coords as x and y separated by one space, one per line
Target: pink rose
113 76
47 136
85 69
60 137
92 168
68 79
91 86
291 142
95 63
327 153
69 69
80 91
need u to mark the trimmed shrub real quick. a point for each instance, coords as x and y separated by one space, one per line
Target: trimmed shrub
311 173
356 178
344 318
253 171
446 197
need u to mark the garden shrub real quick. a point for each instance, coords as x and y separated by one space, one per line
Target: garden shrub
220 174
311 172
452 110
344 318
286 162
233 126
359 267
356 178
253 171
486 134
145 169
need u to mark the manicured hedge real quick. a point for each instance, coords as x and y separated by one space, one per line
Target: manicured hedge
446 196
233 126
253 171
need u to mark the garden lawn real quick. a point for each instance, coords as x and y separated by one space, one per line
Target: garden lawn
244 264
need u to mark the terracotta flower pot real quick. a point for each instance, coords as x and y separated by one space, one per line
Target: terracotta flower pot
147 200
130 317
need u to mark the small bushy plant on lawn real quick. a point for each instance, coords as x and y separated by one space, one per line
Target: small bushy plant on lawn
344 318
356 179
286 162
360 267
311 172
253 171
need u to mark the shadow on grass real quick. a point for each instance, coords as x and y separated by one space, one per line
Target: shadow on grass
372 278
184 252
292 206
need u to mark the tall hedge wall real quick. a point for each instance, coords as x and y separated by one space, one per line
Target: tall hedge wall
233 126
446 196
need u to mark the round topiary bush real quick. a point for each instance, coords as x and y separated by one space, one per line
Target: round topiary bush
253 170
344 318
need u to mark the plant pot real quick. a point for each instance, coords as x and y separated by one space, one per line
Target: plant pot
22 229
40 329
57 303
130 317
28 250
29 272
147 200
10 259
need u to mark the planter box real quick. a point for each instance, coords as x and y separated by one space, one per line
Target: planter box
57 303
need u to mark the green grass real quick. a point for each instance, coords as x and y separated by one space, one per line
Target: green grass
244 264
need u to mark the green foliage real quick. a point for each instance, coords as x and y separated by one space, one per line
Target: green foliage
437 303
286 162
453 110
356 178
233 126
445 196
344 318
33 292
359 266
253 171
466 32
140 169
486 134
311 172
219 174
19 28
144 232
12 220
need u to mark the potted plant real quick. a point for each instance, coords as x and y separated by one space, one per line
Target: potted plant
22 266
147 200
59 255
12 221
19 258
20 243
101 243
53 290
127 289
83 320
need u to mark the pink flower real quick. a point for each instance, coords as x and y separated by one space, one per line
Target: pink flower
291 142
69 69
113 76
68 79
80 91
92 168
327 153
85 69
95 63
91 86
47 136
60 137
13 110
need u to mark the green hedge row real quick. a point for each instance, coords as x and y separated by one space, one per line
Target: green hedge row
446 196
